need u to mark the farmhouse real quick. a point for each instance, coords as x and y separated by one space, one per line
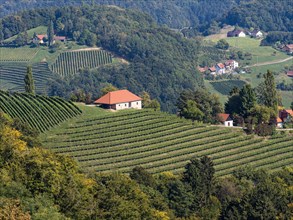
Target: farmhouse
231 64
256 33
288 48
41 37
118 100
279 122
286 115
289 73
236 33
225 119
220 68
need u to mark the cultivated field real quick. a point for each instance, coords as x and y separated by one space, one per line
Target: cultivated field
103 141
12 76
225 86
39 112
69 63
23 54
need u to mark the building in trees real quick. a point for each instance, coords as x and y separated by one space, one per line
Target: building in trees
120 99
225 119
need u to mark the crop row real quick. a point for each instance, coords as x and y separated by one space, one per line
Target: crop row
40 113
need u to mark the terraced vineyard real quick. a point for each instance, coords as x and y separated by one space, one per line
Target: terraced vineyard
71 62
17 54
103 141
38 112
225 86
12 76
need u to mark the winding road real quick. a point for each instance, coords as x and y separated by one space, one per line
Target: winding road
270 62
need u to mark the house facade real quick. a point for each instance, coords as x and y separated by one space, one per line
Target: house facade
119 100
220 68
225 119
256 33
231 64
288 48
236 33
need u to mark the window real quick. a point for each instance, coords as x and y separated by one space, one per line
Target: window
137 103
125 105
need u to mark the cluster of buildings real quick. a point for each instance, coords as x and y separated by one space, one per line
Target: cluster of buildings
288 48
241 33
221 68
40 39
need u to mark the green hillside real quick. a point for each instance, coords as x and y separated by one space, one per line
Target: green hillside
39 112
12 76
69 63
104 141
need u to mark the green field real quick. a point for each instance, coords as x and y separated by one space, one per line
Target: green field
69 63
37 30
118 141
225 86
23 54
39 112
12 76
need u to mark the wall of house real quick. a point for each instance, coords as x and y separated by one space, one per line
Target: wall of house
126 105
242 34
228 123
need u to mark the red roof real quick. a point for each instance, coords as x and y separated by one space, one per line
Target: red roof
221 66
202 69
290 112
279 120
229 62
41 36
289 73
120 96
59 38
212 69
290 46
223 117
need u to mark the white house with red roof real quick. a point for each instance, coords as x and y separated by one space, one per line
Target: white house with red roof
231 64
225 119
220 68
256 33
120 99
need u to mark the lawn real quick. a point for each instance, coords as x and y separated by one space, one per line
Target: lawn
37 30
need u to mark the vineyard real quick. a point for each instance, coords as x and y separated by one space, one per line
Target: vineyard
225 86
12 76
38 112
161 142
17 54
71 62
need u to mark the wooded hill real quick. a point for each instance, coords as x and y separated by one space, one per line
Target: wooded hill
161 61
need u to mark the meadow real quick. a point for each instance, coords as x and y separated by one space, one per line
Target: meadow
118 141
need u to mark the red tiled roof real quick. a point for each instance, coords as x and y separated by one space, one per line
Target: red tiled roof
212 69
290 112
289 73
229 62
290 46
222 66
223 117
279 120
41 36
202 69
119 96
60 38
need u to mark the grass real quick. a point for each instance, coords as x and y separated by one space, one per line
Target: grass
118 141
22 54
38 30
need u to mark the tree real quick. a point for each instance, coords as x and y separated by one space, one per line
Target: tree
191 111
21 39
50 33
247 100
146 99
222 44
141 176
29 81
267 93
108 88
291 106
154 105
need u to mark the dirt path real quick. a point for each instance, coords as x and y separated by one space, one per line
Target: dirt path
270 62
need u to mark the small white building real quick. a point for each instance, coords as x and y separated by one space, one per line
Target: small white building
231 64
279 123
256 33
225 119
118 100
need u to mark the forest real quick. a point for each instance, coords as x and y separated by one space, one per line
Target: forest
38 184
191 16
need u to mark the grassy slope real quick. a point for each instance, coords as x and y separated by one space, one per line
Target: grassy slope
38 30
107 141
260 54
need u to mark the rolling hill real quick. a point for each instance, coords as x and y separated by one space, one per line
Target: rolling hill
106 141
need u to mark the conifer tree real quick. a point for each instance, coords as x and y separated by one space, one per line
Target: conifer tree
50 33
247 99
270 98
29 81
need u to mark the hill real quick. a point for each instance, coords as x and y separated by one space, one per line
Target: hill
160 61
104 141
39 112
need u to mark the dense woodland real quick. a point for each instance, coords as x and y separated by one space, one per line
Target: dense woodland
37 184
200 16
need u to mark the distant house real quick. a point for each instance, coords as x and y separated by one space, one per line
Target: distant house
118 100
279 122
39 39
202 69
288 48
220 68
286 115
256 33
225 119
231 64
289 73
212 70
236 33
